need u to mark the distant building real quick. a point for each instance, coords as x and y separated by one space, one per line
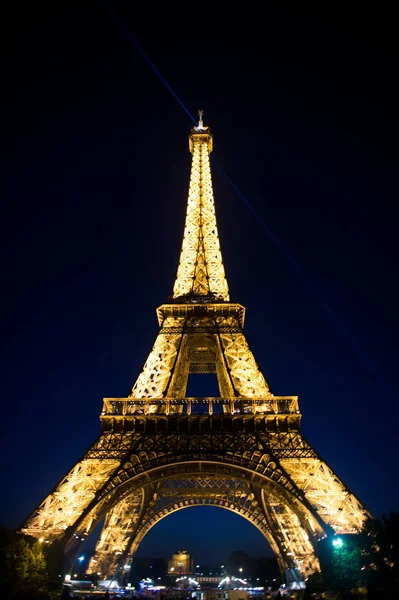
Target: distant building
210 595
222 595
180 564
208 579
236 595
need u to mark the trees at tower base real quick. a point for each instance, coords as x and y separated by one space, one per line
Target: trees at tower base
28 568
22 567
340 562
379 543
367 561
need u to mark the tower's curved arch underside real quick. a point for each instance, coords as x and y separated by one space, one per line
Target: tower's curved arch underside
137 504
146 469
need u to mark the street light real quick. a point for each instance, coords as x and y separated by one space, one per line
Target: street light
337 542
81 559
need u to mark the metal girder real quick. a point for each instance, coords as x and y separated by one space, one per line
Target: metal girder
293 539
175 355
61 508
332 500
201 269
119 526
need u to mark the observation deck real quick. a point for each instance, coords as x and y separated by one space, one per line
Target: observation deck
278 412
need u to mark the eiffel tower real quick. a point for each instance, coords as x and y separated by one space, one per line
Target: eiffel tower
160 451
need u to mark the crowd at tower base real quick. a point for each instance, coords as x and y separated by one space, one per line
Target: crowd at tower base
27 572
239 577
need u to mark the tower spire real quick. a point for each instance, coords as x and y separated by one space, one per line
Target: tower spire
200 122
200 274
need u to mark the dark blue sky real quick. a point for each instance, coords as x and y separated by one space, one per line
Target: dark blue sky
303 109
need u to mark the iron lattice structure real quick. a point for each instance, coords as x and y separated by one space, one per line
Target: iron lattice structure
160 451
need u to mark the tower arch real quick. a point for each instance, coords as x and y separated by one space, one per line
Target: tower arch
292 535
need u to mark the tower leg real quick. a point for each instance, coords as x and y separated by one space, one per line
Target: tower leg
335 504
64 505
117 530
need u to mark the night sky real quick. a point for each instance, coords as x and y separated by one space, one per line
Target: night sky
303 109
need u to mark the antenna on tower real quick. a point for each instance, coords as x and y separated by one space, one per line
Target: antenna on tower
200 122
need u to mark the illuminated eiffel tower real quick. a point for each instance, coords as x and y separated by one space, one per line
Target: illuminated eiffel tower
160 451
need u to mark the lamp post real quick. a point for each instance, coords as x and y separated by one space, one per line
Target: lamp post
337 542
